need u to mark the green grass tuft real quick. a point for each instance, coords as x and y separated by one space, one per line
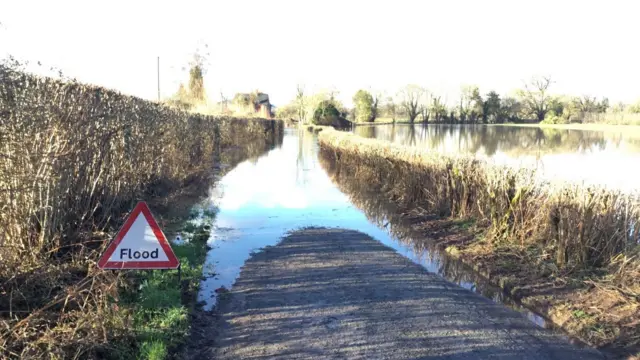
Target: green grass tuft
153 350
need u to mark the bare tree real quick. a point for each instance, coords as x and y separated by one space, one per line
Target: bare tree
437 108
333 94
390 108
224 102
300 103
470 103
425 110
375 105
411 97
535 96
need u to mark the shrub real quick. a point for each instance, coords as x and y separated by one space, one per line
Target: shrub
326 114
363 103
552 118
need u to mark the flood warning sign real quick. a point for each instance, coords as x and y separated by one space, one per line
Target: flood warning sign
140 244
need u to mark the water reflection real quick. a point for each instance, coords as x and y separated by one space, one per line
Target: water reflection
578 155
290 188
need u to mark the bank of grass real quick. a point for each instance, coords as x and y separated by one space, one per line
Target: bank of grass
161 301
626 129
568 251
385 121
611 118
74 160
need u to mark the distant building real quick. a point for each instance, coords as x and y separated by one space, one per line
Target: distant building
263 106
256 103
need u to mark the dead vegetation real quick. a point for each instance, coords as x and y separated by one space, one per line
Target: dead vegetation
561 248
73 160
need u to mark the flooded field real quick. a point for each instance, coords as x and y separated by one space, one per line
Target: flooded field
592 157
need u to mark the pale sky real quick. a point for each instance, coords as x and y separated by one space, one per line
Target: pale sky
588 47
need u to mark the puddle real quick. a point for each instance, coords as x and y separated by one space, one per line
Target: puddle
287 189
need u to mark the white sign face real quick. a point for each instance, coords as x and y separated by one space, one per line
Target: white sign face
140 244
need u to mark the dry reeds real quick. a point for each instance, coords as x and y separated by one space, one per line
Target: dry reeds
73 159
359 184
585 226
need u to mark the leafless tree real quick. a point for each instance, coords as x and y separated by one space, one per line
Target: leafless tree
375 105
411 97
300 103
390 108
224 102
536 96
423 106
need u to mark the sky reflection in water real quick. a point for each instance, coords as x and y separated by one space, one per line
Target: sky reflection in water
260 201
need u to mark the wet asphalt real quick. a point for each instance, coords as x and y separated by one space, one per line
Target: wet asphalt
339 294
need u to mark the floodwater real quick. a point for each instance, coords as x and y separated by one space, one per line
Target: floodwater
259 201
603 158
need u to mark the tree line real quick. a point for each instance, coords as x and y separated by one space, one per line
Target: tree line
414 103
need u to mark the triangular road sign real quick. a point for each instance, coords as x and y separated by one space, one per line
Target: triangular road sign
140 244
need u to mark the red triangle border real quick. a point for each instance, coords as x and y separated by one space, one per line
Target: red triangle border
171 263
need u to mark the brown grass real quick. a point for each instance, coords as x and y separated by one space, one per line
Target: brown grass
533 230
586 226
406 224
620 118
73 160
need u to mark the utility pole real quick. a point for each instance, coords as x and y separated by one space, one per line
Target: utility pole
158 78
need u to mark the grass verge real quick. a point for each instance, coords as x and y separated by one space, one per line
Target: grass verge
162 301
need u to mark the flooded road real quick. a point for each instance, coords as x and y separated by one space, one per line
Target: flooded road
287 189
340 294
